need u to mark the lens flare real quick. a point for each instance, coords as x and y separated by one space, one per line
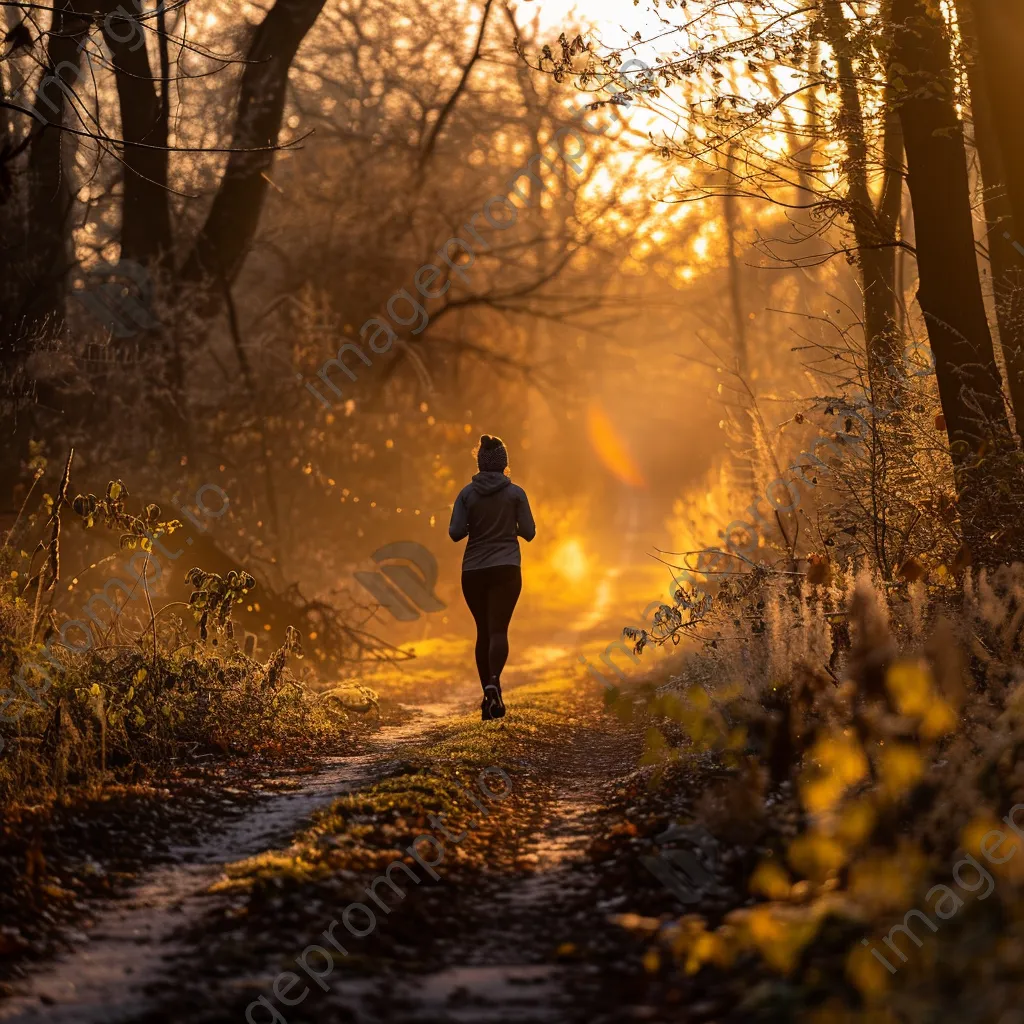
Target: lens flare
610 447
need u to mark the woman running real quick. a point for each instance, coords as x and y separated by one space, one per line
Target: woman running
494 512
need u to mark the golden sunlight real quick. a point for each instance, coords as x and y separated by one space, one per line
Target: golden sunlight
571 560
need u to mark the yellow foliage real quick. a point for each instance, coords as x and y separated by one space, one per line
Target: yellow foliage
708 948
866 973
939 720
913 690
636 923
841 762
855 822
841 754
780 933
704 733
684 933
816 855
655 747
737 739
900 768
771 880
696 946
668 705
910 683
976 830
848 760
822 794
698 697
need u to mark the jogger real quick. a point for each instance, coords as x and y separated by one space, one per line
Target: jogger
494 513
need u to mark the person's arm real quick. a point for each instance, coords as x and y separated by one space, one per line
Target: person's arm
525 526
459 526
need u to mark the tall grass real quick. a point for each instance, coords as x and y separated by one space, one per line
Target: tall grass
139 699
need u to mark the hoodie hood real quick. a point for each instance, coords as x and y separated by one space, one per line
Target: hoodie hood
489 482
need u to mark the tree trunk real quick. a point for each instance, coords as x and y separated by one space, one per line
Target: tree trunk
746 475
874 229
145 210
49 193
949 291
1000 36
225 238
1003 228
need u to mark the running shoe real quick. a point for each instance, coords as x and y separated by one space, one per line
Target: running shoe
493 692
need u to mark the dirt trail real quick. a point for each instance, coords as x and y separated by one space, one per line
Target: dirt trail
497 951
506 952
103 980
503 947
507 969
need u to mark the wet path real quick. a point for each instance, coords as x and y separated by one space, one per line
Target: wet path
509 958
104 980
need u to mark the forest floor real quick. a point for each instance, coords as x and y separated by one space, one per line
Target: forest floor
185 902
515 928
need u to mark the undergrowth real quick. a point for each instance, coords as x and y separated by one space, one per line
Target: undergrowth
875 690
120 703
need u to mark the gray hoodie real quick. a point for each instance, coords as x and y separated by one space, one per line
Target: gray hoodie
494 512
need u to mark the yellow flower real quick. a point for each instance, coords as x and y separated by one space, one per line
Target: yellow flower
781 933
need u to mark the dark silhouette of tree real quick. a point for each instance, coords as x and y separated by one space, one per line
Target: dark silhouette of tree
996 77
949 288
71 103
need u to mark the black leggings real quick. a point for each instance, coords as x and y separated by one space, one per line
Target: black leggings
491 595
